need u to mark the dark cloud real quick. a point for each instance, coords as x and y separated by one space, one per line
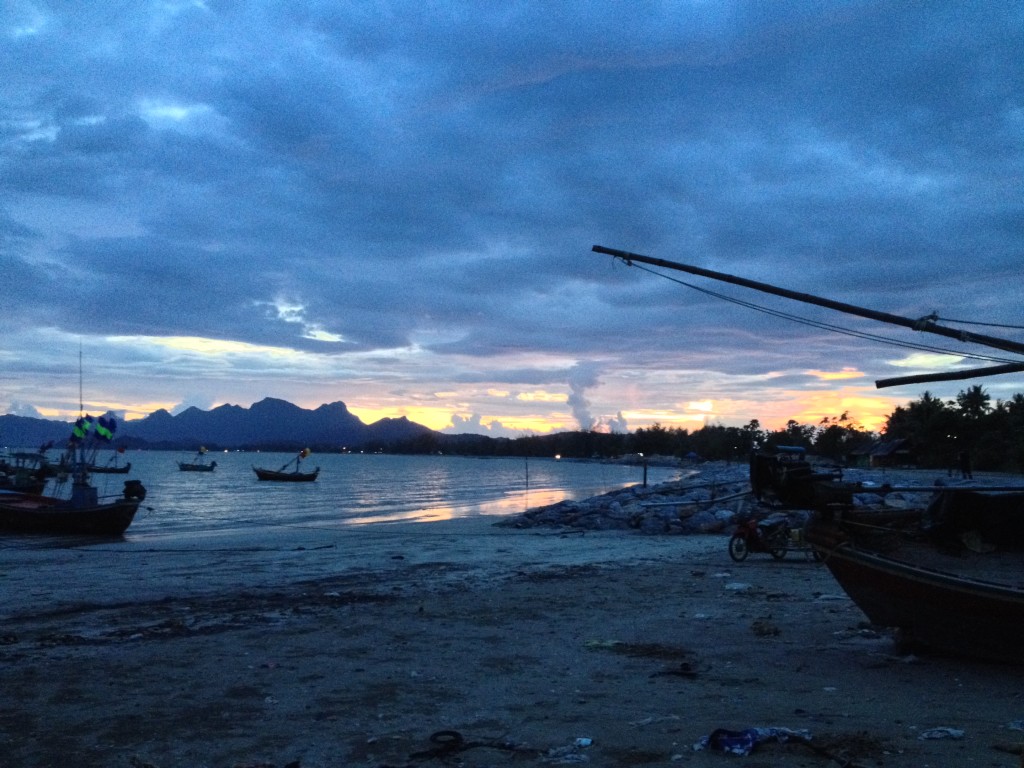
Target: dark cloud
405 193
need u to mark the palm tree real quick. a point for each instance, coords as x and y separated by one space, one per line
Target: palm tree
974 402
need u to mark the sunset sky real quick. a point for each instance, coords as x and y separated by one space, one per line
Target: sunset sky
392 204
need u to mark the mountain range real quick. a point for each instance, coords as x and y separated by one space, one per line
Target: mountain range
268 424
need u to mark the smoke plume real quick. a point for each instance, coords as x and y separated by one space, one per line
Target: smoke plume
581 377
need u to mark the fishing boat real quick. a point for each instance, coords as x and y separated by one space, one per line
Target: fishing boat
948 575
944 585
198 464
945 572
82 511
284 475
24 471
113 465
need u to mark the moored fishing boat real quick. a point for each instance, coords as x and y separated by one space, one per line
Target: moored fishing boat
113 465
283 475
82 510
81 514
25 471
198 464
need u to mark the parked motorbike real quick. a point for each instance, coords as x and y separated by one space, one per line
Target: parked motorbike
771 535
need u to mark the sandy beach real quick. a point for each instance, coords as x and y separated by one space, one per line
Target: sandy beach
353 647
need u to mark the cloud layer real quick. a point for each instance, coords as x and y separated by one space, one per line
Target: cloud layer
393 204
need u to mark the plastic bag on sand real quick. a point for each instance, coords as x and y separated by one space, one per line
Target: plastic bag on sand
743 742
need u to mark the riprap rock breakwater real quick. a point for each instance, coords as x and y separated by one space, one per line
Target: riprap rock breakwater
709 500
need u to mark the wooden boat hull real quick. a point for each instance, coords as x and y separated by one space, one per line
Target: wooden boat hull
21 513
940 610
124 470
286 477
32 485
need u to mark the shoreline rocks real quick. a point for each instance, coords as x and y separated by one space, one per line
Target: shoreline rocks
707 500
711 498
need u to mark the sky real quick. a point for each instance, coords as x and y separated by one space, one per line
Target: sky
393 204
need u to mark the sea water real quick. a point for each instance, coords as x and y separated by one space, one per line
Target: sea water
354 489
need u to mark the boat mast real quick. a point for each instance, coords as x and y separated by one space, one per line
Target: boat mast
81 397
925 324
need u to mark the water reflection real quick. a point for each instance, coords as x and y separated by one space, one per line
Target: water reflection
355 490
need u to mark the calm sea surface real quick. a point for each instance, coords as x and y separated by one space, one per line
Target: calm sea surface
353 489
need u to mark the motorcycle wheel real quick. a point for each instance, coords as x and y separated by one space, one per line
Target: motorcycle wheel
778 548
738 549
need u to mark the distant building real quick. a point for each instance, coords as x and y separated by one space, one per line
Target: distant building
891 453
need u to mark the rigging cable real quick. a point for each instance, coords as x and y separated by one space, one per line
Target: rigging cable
828 326
976 322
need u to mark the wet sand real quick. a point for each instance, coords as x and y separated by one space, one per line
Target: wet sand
351 647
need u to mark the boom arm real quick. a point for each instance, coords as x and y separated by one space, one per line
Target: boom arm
926 324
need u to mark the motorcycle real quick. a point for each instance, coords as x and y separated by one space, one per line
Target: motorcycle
774 536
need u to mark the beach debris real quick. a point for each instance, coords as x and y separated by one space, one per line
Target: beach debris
743 742
570 753
765 628
942 732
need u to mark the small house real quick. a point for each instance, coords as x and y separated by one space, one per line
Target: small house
892 453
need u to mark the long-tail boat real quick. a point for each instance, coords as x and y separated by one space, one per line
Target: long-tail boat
198 464
113 465
948 575
284 475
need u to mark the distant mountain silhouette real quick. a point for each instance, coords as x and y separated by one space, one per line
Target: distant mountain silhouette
28 432
270 423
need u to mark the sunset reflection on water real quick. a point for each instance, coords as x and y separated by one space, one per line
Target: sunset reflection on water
514 504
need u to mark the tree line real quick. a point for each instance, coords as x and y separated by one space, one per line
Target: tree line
992 434
937 431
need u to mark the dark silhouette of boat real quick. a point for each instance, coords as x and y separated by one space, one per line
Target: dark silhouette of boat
112 467
199 464
948 575
25 472
82 510
946 582
191 467
83 513
284 475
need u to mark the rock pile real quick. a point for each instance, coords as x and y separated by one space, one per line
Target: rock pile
713 497
708 501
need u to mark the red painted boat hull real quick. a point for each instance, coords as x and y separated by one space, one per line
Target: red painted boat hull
944 611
